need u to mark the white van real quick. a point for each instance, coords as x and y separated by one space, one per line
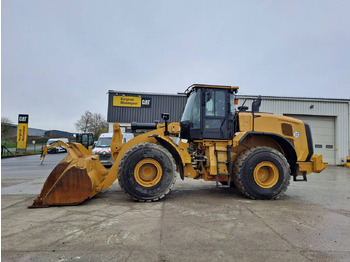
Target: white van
127 137
56 149
103 149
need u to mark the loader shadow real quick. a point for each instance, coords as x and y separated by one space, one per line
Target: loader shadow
178 193
207 192
196 191
115 196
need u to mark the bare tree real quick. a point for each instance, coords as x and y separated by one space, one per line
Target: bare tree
94 123
99 125
84 123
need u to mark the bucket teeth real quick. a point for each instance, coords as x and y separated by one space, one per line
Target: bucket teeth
38 203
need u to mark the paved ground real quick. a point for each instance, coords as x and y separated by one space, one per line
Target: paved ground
195 222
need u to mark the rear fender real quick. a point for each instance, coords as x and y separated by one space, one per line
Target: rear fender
284 144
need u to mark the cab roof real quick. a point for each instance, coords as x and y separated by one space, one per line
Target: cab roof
192 87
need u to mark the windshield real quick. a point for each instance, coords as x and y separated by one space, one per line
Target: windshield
104 142
192 112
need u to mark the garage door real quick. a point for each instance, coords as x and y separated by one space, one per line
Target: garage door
323 135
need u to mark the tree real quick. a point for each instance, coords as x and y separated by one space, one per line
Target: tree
99 125
94 123
84 124
5 127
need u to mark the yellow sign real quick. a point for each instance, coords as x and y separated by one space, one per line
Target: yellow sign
128 101
22 131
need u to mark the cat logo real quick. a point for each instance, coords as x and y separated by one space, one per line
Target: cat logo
23 119
146 102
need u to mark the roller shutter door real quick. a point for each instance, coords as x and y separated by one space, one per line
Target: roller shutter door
323 135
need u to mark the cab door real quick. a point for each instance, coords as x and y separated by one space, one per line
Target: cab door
215 114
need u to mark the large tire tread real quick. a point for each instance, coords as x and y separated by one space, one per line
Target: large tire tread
124 159
237 177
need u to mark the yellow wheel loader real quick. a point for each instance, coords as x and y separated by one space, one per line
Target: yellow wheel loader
257 152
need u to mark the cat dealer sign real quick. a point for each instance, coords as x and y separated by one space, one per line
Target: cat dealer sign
131 101
22 131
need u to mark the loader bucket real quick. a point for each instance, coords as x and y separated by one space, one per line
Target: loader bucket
76 178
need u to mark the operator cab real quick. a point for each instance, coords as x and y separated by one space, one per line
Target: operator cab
86 139
209 112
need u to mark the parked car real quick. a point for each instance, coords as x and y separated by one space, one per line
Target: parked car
56 149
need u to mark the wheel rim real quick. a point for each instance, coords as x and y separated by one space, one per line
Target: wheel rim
148 172
266 174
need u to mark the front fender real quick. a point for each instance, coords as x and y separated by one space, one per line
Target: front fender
179 152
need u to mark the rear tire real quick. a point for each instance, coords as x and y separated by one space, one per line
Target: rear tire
147 172
261 173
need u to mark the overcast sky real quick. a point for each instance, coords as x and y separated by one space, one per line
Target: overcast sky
60 58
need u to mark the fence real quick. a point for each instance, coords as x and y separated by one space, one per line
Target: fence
5 151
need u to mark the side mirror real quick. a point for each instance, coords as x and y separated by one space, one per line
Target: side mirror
242 108
165 116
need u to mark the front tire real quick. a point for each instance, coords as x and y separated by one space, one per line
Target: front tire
147 172
261 173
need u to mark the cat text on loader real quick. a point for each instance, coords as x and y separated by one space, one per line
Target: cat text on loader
257 152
